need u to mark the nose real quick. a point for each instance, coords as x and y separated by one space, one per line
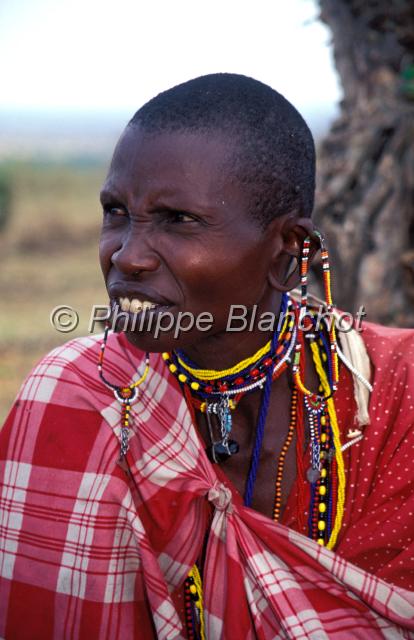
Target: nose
135 255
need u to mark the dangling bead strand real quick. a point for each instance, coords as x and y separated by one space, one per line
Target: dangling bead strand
125 395
282 457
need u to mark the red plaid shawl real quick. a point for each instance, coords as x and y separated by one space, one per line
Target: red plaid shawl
88 551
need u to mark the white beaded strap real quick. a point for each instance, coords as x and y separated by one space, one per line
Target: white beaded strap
356 359
351 442
351 367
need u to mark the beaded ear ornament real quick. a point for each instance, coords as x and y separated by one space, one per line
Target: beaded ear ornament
315 403
125 395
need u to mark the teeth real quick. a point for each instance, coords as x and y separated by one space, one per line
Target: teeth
135 305
125 304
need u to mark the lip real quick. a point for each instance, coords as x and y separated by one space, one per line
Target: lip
119 290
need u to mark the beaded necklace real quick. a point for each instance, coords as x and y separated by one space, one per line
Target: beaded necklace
211 391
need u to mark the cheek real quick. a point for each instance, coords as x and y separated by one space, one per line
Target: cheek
222 276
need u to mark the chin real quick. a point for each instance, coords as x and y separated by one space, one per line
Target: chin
147 342
156 332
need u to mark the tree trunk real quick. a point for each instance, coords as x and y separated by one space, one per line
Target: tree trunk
365 192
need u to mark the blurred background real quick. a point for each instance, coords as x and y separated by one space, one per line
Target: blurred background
73 73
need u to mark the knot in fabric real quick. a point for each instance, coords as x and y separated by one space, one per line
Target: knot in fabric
220 496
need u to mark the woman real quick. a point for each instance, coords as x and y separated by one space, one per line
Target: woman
208 482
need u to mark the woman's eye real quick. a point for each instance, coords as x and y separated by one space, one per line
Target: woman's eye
179 217
115 211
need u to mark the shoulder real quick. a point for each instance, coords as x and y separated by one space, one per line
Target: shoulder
60 416
69 373
69 363
64 394
391 353
383 342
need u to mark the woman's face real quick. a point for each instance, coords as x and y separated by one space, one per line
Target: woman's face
176 233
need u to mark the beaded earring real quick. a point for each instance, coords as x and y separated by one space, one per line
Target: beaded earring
313 400
326 471
326 273
125 395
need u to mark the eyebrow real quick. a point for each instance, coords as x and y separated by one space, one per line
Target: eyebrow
107 194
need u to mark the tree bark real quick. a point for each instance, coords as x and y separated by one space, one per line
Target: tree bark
365 190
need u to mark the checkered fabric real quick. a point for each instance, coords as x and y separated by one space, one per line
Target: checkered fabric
91 550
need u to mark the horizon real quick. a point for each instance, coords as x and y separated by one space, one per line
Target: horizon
64 134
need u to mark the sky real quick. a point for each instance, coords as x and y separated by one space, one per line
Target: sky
107 55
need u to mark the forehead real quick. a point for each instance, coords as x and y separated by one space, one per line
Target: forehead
172 160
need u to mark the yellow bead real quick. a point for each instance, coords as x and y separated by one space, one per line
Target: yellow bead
321 541
323 473
193 588
322 490
324 357
323 421
322 507
165 355
202 407
172 368
321 525
324 437
182 378
195 386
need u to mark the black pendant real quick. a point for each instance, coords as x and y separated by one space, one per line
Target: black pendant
220 451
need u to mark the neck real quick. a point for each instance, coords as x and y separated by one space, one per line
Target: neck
225 349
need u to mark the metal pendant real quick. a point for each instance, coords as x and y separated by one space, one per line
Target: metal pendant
221 451
222 410
126 396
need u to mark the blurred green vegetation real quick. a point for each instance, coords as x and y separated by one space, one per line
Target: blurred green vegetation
48 257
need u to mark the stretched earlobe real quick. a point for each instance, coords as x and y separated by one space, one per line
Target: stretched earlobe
285 274
287 278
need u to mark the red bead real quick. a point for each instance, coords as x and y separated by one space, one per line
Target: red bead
208 389
268 362
223 387
254 373
239 381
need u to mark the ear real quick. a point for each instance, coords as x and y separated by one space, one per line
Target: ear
284 274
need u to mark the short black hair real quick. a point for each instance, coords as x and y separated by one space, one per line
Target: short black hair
275 157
